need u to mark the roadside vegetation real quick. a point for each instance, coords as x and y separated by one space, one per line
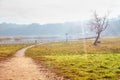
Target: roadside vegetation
80 60
7 50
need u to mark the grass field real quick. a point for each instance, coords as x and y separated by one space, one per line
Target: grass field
80 60
7 50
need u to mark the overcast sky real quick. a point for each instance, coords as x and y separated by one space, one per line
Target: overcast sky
55 11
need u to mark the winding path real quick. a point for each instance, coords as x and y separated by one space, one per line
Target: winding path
23 68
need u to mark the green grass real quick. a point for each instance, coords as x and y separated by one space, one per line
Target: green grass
7 50
80 60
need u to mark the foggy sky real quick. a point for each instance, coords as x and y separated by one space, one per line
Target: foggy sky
55 11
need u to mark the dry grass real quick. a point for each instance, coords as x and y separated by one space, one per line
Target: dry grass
80 60
7 50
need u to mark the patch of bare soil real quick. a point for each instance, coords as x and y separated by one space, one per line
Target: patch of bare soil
23 68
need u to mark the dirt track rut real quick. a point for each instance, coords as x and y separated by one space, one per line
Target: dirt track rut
24 68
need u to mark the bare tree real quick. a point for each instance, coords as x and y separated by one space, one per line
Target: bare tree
98 24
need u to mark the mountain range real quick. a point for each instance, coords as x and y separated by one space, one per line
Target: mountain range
79 28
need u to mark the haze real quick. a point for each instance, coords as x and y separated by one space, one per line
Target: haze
54 11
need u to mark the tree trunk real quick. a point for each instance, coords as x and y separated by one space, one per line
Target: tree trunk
96 40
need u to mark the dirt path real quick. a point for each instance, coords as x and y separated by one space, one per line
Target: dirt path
23 68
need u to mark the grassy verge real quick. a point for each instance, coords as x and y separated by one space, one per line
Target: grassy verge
7 50
80 60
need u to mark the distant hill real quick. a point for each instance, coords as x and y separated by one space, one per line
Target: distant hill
58 29
36 29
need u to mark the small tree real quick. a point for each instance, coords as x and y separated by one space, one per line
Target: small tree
98 24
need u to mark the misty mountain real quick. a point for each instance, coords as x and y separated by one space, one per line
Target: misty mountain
72 28
114 27
37 29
